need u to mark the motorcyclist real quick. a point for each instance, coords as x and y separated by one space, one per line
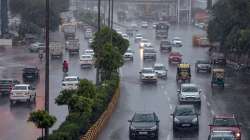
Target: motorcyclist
65 66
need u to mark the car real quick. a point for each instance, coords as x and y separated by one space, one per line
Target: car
221 134
175 57
119 32
177 42
129 32
30 74
125 36
22 93
203 65
36 47
144 24
185 117
70 82
189 93
86 60
88 33
90 41
143 42
227 122
129 55
134 26
6 85
149 53
160 70
218 58
138 37
148 75
89 51
166 45
154 25
145 124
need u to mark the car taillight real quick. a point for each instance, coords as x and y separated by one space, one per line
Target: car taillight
237 134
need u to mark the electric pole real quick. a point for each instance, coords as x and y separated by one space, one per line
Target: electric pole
99 29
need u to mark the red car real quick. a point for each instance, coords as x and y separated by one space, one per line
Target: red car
226 122
175 57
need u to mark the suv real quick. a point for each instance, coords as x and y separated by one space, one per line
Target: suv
227 122
189 93
148 75
201 65
30 74
70 82
22 92
221 134
144 125
185 117
6 85
149 53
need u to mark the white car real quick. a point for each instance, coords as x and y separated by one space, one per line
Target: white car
134 26
89 51
70 82
177 41
129 55
160 70
88 33
125 36
148 75
189 93
22 92
144 42
144 24
90 41
36 47
138 37
119 32
86 60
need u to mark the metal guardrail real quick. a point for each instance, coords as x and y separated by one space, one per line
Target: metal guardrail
138 1
98 126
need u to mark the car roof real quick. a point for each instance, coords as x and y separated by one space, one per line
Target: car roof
88 50
188 85
158 65
147 68
71 77
86 55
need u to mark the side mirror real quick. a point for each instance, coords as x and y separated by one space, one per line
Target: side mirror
130 121
178 91
158 121
140 72
200 90
171 114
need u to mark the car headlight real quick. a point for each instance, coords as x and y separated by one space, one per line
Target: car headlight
238 134
176 120
132 127
195 120
154 127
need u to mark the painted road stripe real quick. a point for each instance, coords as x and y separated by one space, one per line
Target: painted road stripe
212 111
169 137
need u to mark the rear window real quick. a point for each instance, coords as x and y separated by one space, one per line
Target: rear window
144 118
20 88
29 69
225 122
189 89
5 81
71 79
184 111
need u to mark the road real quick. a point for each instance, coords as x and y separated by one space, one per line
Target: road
162 98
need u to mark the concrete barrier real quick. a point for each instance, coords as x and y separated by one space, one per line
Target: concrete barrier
98 126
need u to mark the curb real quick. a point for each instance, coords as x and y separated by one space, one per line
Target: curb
98 126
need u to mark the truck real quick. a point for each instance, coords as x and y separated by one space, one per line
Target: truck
69 30
56 50
161 30
72 45
201 41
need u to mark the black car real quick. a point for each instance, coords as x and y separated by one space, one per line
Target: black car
185 117
165 45
203 65
6 85
30 74
144 125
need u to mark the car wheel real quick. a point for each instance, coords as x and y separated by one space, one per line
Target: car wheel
11 102
131 137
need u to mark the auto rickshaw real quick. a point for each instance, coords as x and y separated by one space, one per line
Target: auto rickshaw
218 77
183 73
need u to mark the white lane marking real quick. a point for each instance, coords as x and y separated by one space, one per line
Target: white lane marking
212 111
171 107
208 104
169 137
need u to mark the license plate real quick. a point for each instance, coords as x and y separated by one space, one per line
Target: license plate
29 76
185 125
143 133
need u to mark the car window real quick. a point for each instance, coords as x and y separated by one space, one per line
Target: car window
147 71
144 118
225 122
184 111
159 68
20 88
189 89
71 79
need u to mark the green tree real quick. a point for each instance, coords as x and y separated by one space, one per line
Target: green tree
42 119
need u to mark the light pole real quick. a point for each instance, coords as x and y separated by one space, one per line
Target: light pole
47 16
99 29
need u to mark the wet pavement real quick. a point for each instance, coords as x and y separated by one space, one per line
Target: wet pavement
135 96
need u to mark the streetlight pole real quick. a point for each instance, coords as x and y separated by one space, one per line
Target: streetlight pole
47 63
109 15
99 29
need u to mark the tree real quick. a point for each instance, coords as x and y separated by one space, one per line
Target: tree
42 119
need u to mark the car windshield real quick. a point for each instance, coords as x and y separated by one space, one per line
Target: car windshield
165 42
70 79
184 111
20 88
147 71
86 57
189 89
203 62
159 68
149 50
225 122
143 118
138 35
29 69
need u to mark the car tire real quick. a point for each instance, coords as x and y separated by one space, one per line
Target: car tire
131 137
11 102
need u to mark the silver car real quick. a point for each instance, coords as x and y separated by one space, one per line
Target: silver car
160 70
189 93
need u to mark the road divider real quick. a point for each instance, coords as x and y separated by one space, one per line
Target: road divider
98 126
